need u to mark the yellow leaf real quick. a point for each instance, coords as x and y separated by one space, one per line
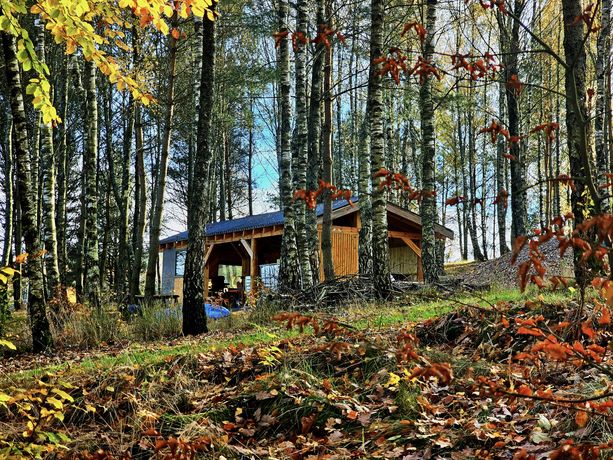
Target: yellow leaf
9 345
56 403
394 379
62 394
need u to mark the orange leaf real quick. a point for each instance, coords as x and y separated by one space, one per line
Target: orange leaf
605 317
587 330
581 418
529 331
175 33
524 390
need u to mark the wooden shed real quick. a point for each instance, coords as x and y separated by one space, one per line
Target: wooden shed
247 248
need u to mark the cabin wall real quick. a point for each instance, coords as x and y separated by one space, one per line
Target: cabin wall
403 261
168 270
344 253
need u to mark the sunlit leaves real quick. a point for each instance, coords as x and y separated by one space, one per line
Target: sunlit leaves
87 25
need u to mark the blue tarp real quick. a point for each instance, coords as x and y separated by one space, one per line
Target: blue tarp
215 312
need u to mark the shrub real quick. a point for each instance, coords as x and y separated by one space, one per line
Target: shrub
84 327
157 321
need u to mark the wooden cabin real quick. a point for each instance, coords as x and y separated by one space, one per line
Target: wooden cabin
248 248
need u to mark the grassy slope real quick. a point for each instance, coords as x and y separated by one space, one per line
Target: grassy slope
365 317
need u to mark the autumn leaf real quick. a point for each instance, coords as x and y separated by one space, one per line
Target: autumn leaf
581 418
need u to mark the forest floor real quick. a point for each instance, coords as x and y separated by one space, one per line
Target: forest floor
407 379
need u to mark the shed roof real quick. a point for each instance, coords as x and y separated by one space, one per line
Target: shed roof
269 219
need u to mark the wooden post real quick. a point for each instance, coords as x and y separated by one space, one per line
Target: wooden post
206 279
253 265
420 267
416 248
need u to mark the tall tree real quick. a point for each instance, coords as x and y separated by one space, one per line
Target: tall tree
603 77
314 140
429 215
39 324
289 273
6 145
509 37
194 318
160 186
91 287
584 198
48 169
326 155
301 141
501 192
380 245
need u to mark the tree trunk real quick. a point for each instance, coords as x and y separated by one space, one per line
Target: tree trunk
250 161
380 245
194 318
160 187
326 228
7 149
140 204
429 215
577 127
48 170
511 68
289 273
62 181
198 42
299 162
501 206
314 139
41 334
91 286
603 72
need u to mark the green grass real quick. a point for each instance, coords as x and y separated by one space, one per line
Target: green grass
365 317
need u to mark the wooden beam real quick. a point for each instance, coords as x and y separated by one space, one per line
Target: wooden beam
208 253
401 235
247 248
416 219
416 249
237 236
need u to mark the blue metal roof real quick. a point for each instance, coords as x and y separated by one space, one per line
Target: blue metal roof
250 222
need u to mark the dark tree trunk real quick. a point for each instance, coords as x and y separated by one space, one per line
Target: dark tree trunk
326 154
511 69
194 317
41 333
577 125
314 139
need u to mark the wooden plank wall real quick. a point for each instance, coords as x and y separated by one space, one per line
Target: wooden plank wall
344 253
403 261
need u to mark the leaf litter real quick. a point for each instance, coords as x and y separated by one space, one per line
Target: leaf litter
447 388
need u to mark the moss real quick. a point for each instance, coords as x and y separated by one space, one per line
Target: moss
407 400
